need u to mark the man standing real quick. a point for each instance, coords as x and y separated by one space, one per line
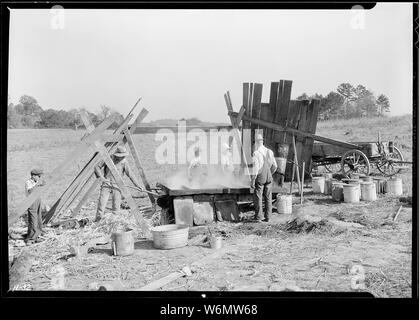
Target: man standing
36 209
109 186
264 165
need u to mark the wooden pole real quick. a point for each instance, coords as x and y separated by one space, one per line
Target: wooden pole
297 167
137 161
236 133
86 196
302 183
292 176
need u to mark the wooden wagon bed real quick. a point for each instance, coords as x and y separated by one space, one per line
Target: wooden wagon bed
324 150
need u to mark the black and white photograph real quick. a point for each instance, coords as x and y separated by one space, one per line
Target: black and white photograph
221 149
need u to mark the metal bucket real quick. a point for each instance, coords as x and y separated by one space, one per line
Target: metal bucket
318 184
337 191
170 236
123 243
368 192
351 193
284 204
216 242
282 164
395 186
328 184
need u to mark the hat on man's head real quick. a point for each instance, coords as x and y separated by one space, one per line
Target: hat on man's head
258 137
120 152
36 172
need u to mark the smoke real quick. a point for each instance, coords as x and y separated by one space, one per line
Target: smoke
209 177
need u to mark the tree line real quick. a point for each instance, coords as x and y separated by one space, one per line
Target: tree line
29 114
348 102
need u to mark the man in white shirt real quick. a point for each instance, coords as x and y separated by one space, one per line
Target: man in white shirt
37 207
264 165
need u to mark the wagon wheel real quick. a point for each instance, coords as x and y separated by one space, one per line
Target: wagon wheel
355 161
387 167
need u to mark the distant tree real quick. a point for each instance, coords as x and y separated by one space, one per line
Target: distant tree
13 118
366 105
348 93
104 112
331 106
193 122
383 105
30 105
304 96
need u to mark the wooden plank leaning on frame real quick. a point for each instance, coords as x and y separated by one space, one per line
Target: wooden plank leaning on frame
84 176
56 174
82 179
105 155
236 132
97 181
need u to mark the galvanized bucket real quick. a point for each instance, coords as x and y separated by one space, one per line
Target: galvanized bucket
170 236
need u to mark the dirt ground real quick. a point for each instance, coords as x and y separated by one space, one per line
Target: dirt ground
327 248
316 248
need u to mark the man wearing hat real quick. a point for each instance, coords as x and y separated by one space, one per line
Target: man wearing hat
264 165
109 185
37 207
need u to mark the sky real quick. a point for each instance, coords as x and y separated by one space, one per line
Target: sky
181 62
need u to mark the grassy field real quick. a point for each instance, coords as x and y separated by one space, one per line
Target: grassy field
46 148
265 257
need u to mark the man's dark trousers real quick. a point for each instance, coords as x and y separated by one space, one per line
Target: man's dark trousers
263 191
35 220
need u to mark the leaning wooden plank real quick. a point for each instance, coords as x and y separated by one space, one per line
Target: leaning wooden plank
240 115
86 196
73 196
85 174
246 136
175 129
312 124
96 183
277 127
176 275
56 174
293 118
120 183
72 190
137 161
58 204
273 97
236 134
257 101
284 96
302 126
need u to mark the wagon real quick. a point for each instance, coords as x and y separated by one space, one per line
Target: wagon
364 157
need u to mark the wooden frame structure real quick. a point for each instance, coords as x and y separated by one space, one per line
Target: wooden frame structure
86 178
278 121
